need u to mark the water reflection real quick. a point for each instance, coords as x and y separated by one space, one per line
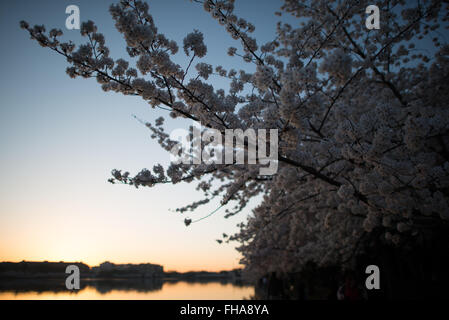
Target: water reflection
124 289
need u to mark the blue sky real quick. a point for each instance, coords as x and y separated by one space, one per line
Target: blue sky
61 137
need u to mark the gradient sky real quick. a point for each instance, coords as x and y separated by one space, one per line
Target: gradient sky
60 138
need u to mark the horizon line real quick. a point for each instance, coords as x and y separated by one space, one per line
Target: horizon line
90 266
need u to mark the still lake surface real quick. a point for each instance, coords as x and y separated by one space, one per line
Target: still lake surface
126 290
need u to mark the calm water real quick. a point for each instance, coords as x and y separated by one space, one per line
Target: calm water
122 290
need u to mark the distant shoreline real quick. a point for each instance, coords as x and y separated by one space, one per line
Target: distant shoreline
107 270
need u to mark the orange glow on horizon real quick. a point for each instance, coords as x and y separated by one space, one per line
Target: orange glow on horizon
171 268
114 241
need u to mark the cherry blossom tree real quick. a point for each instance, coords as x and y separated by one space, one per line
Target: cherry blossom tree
362 115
